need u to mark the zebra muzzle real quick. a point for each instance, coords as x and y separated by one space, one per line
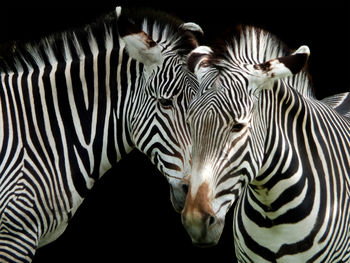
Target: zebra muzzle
199 219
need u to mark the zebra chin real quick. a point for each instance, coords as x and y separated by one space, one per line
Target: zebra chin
176 177
211 238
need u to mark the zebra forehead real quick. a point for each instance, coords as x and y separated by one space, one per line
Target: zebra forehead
227 105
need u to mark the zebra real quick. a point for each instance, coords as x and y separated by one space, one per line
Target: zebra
339 102
262 143
73 104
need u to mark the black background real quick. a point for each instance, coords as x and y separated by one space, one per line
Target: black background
128 216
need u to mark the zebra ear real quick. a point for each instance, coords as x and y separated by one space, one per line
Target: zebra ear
198 60
142 48
193 27
138 44
283 66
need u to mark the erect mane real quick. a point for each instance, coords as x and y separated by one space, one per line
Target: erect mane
19 55
249 44
98 35
164 28
253 45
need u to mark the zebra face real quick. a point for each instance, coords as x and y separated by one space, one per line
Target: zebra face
221 137
170 90
227 136
157 123
158 126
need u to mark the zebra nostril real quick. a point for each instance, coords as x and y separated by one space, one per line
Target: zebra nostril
185 188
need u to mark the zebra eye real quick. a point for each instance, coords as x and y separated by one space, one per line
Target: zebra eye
166 103
237 127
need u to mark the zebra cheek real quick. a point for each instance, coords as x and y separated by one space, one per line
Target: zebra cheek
178 192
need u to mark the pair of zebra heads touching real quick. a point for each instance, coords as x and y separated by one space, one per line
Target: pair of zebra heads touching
235 124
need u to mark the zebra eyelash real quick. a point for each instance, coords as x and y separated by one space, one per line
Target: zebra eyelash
166 103
237 127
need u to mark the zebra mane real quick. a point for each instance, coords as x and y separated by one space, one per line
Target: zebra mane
165 29
249 44
100 35
253 45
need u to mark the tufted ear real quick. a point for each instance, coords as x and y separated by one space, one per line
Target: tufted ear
281 67
138 44
198 59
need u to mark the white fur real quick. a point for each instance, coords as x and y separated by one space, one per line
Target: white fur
138 48
303 49
204 52
118 11
277 69
192 27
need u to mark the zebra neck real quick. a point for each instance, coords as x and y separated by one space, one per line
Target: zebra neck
283 114
73 115
290 209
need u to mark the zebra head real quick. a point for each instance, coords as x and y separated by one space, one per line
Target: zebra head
227 133
157 125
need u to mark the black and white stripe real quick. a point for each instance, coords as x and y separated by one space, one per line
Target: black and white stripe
73 104
263 143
